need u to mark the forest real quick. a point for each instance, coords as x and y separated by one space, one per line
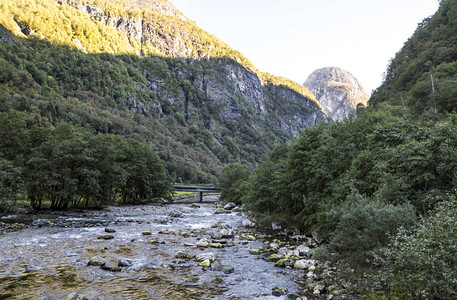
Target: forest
67 166
380 189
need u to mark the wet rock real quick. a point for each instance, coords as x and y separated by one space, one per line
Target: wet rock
310 275
303 264
276 291
226 233
256 251
189 245
217 280
230 206
225 269
124 262
96 261
155 242
193 278
274 246
195 205
250 237
205 263
110 268
176 214
75 296
303 250
109 230
183 255
216 245
275 257
204 256
147 232
248 224
105 237
202 244
221 211
216 236
221 225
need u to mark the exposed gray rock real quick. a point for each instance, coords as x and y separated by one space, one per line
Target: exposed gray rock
96 261
230 206
248 224
204 256
338 91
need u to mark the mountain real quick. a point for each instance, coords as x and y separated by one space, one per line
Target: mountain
423 73
337 90
141 69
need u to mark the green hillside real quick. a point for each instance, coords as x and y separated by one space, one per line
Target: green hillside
191 98
422 75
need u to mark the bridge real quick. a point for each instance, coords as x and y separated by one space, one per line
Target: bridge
196 188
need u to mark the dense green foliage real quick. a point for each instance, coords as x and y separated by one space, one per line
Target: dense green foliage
422 263
87 73
73 166
429 55
357 182
231 180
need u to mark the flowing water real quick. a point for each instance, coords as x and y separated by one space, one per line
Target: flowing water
49 259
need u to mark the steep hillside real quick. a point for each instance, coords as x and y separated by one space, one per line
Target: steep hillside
337 90
423 73
141 69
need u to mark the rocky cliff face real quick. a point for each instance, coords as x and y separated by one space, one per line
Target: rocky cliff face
337 90
230 87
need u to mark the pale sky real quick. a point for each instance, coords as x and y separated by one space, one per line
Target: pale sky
292 38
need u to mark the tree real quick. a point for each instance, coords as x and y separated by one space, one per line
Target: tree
231 180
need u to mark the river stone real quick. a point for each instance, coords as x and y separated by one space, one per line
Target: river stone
105 237
276 226
202 244
248 224
110 268
221 211
96 261
75 296
279 292
195 205
109 230
303 264
230 206
124 262
225 269
175 214
217 280
216 245
304 250
147 232
226 233
256 251
205 263
204 256
183 255
275 257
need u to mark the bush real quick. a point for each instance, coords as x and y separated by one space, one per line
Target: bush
363 226
423 262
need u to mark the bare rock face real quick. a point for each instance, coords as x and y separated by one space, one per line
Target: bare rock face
338 91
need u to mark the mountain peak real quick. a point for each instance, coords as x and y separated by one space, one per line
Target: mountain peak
338 91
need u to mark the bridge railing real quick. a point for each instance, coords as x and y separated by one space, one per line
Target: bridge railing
199 189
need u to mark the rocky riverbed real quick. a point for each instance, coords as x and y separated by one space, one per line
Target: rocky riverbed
172 251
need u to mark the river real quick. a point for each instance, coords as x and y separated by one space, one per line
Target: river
156 244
